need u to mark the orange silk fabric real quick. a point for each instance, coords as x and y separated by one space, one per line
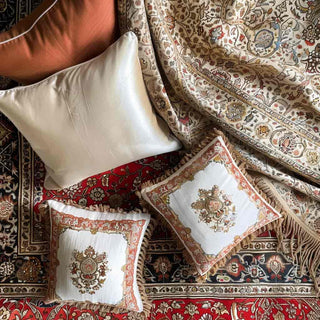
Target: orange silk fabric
69 33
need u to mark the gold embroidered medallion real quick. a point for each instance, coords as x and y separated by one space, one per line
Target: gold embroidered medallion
88 270
215 208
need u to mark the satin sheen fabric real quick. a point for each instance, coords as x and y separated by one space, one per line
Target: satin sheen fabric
91 117
56 35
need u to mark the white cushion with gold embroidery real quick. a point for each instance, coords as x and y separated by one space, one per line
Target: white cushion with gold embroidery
89 118
94 257
210 204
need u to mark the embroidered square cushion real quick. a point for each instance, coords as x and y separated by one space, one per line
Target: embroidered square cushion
95 258
91 117
57 35
210 204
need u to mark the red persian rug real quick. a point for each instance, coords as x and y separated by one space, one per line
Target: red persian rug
177 309
272 283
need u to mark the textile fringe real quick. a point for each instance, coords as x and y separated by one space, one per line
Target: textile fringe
274 225
187 157
148 207
147 304
104 308
241 163
44 207
101 308
307 252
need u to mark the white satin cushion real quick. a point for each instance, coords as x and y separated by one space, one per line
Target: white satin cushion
91 117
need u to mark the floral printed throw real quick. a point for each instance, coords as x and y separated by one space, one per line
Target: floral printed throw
251 68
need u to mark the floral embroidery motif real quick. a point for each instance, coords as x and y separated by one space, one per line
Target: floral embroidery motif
30 270
288 143
97 194
311 34
263 131
163 267
6 269
4 313
235 112
316 225
312 157
86 316
215 208
6 208
276 266
263 39
89 269
216 34
191 309
313 60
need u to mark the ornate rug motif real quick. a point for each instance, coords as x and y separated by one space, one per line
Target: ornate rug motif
117 187
235 309
23 245
12 11
175 309
256 270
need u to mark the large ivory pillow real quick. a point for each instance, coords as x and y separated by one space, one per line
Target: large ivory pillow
91 117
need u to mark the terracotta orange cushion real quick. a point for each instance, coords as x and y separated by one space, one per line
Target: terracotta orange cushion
58 34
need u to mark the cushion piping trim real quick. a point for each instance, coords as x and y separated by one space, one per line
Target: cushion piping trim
32 26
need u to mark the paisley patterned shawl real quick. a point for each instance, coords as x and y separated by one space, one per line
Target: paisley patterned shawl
251 68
